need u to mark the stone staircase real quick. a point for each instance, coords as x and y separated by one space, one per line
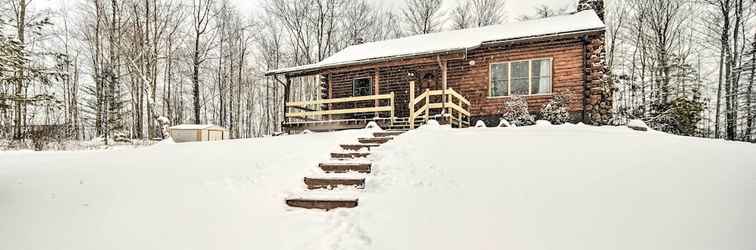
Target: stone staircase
339 174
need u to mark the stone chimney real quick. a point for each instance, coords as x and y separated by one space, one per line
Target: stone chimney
595 5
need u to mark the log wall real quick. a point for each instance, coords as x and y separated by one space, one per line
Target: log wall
472 80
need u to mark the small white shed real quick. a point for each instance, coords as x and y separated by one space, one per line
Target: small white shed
198 132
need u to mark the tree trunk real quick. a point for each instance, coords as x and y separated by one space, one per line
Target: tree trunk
20 104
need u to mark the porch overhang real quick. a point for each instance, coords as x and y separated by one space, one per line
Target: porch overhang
317 68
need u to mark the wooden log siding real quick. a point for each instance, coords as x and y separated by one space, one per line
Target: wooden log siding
473 81
389 79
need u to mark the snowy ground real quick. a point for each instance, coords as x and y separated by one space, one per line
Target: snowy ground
539 187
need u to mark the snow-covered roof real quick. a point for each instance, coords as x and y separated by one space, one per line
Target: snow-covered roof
195 126
584 21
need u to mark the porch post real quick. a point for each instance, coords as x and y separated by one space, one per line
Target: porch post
377 87
287 91
412 104
330 94
442 64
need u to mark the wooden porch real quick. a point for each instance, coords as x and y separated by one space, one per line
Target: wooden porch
446 106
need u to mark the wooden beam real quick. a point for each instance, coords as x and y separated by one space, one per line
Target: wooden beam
341 111
340 100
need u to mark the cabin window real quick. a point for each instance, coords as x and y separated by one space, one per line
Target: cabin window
362 87
530 77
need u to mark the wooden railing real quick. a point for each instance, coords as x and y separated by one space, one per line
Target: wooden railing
452 105
311 113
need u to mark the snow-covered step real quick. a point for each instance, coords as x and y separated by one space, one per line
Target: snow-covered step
349 155
375 140
358 147
325 204
330 183
323 199
343 167
388 133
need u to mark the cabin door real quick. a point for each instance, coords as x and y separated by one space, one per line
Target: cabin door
427 80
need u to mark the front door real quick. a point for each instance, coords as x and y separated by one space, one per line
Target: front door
427 80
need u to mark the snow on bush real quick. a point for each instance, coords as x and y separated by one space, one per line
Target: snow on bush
373 126
432 124
556 110
503 123
306 132
480 124
516 111
637 124
163 122
543 123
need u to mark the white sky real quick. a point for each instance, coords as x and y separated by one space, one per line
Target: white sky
515 8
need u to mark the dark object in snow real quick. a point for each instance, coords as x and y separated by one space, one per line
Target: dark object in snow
637 128
321 204
331 183
375 140
349 155
357 147
388 133
345 167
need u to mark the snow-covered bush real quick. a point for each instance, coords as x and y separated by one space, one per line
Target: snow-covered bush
636 124
373 125
432 124
480 124
516 111
503 123
163 123
556 110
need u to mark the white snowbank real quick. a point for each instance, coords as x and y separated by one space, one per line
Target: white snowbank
480 124
557 187
543 123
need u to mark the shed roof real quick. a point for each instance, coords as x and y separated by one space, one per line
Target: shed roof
195 126
584 21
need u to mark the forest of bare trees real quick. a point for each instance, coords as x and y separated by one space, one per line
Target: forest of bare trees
685 66
120 70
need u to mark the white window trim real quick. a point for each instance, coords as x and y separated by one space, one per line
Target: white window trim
530 77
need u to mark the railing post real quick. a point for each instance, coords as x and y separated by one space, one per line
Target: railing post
427 105
412 105
392 107
459 117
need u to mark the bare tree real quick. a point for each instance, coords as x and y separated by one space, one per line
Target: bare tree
201 14
488 12
423 16
462 15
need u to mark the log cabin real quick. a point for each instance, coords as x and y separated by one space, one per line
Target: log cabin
459 77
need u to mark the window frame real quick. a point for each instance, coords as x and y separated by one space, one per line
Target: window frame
530 77
369 87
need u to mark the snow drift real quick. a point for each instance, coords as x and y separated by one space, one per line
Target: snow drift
537 187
